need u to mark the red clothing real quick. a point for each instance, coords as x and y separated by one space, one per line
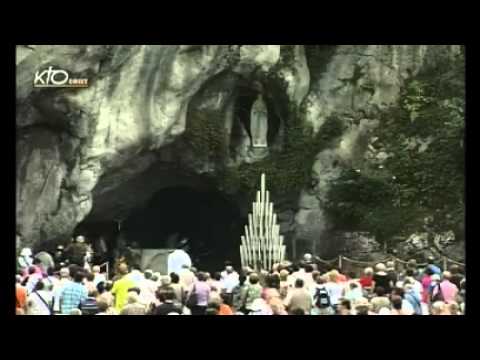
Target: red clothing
366 281
225 310
21 297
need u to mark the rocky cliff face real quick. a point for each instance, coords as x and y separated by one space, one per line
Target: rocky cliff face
154 116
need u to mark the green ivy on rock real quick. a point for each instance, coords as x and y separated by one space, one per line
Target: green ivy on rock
424 174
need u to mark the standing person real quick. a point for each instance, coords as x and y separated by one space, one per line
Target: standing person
335 290
299 298
178 289
308 279
366 280
187 277
321 298
353 291
177 260
40 301
97 275
167 304
230 279
449 291
20 297
77 251
148 287
200 294
284 285
252 293
58 288
73 293
392 274
238 293
31 280
136 275
381 278
89 282
121 287
426 284
413 298
105 295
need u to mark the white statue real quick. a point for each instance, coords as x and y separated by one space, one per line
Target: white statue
259 123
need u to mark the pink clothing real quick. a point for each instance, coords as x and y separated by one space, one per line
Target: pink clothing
426 281
449 291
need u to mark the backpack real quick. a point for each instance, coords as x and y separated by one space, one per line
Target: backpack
322 298
439 295
89 306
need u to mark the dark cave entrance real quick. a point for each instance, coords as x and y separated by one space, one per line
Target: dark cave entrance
211 222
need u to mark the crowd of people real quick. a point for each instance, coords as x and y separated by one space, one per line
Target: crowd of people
286 289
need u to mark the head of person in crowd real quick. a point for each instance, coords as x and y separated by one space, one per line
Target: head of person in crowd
64 273
362 306
380 268
307 258
165 280
410 273
207 276
174 278
96 269
352 275
241 279
455 269
299 283
79 277
368 272
431 260
148 274
398 291
284 275
102 305
308 268
297 311
428 271
272 281
438 308
345 307
90 276
101 287
446 275
254 278
201 276
380 291
333 276
454 308
132 297
396 301
322 279
154 277
390 266
123 269
75 312
108 285
217 276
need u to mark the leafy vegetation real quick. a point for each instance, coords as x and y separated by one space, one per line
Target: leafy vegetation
423 173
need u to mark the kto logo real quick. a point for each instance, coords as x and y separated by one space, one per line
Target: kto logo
57 78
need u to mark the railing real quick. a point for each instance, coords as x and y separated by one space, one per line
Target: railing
339 260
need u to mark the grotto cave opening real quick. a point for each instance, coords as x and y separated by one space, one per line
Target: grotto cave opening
211 223
243 106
